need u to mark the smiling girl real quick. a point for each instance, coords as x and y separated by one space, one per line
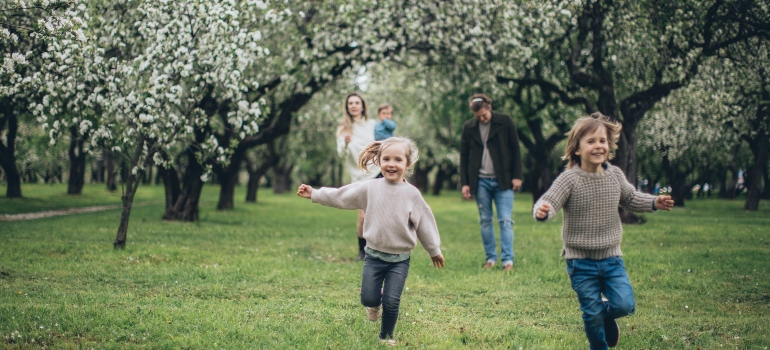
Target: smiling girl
396 218
590 191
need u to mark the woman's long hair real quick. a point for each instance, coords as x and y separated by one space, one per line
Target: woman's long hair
346 124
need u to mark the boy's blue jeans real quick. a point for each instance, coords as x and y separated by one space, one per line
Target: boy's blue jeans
592 278
373 293
488 191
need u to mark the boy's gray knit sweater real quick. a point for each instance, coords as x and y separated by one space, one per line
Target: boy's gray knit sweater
592 228
396 214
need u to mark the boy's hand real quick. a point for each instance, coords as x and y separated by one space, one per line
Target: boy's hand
438 261
542 212
664 202
305 191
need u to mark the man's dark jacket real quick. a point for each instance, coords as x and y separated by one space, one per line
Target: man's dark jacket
503 146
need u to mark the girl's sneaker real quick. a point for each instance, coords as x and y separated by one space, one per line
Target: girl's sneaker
390 342
374 313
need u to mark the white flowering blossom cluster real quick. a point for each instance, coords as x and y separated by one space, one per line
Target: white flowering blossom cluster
25 28
153 81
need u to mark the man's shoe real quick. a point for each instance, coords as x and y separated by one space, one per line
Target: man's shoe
374 313
611 332
361 256
508 267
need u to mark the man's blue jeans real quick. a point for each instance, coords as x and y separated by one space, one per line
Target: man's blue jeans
488 191
592 278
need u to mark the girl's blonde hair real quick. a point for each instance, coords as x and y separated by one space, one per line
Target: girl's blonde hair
371 153
585 126
346 124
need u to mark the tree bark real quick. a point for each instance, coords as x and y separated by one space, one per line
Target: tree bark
760 148
420 177
170 185
109 165
445 172
77 159
132 183
282 177
8 152
185 208
257 172
228 179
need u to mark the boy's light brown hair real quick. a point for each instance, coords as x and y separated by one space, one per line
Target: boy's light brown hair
585 126
384 106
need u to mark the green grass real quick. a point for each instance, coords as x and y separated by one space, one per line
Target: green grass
279 274
52 197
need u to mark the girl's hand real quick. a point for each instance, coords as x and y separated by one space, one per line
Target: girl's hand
438 261
542 212
347 139
664 202
305 191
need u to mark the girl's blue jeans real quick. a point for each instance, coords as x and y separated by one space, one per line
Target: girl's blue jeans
592 278
487 192
382 283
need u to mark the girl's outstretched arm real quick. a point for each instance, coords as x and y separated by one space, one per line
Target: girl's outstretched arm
438 260
664 202
305 191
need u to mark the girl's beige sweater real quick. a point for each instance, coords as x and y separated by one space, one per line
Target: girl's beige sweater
396 214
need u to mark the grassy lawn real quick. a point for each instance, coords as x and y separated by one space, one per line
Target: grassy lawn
52 197
279 274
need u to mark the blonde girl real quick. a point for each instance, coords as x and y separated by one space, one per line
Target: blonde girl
396 218
590 192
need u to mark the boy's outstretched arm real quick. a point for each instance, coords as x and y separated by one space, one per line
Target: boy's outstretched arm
664 202
305 191
542 211
438 260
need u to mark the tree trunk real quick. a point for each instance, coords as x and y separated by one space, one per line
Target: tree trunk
8 153
132 184
77 162
282 177
754 174
185 208
109 165
228 179
252 188
766 187
445 172
170 184
420 178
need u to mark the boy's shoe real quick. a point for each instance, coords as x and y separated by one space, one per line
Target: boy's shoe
390 342
611 332
374 313
489 265
508 267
